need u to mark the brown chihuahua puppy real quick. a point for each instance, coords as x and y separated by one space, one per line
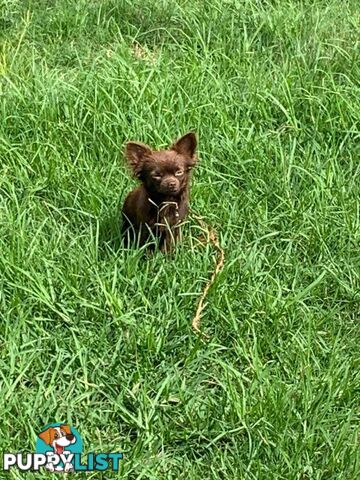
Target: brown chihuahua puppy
159 205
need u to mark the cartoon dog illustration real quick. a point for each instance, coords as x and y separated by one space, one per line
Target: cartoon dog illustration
58 438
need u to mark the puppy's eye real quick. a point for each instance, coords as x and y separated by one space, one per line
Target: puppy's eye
157 175
63 433
56 435
179 173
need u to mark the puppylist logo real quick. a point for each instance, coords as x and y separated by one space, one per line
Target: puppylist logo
59 448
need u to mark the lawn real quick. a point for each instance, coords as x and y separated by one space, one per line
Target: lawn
100 336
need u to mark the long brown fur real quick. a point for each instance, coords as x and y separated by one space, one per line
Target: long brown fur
157 207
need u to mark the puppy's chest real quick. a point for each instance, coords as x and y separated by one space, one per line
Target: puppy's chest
168 214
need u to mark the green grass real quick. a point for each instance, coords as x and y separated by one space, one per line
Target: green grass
96 335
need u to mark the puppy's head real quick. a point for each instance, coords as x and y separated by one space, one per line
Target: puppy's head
58 437
165 171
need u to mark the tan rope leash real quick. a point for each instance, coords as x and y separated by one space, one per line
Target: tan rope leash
212 236
196 322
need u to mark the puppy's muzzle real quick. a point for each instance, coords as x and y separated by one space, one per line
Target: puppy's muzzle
170 186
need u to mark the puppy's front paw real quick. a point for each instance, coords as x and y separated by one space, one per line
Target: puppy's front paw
69 467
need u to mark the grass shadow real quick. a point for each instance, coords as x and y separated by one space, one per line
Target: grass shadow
110 236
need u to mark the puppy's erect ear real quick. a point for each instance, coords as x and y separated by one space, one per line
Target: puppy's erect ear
46 436
186 146
135 153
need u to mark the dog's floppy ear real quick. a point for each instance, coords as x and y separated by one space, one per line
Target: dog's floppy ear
186 145
46 436
66 429
135 153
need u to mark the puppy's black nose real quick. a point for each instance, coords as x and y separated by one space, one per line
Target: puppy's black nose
70 437
172 184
